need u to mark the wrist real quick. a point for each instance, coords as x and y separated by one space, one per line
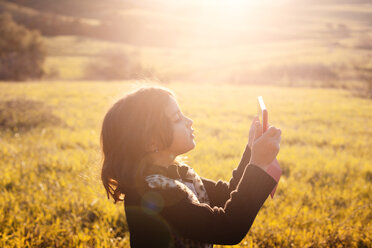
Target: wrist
265 167
262 166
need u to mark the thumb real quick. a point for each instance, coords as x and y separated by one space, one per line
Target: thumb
272 131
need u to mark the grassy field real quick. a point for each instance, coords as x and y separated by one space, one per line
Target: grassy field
51 194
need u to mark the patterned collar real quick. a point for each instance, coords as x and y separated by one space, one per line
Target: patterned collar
173 171
196 196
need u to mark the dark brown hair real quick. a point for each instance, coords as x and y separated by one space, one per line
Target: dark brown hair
127 128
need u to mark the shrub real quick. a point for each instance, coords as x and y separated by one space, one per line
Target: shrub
302 74
364 42
23 114
315 72
112 65
363 71
22 52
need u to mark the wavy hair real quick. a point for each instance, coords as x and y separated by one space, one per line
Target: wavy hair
127 128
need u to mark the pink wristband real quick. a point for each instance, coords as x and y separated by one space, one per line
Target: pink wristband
275 172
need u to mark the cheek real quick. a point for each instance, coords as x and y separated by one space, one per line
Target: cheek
179 135
182 141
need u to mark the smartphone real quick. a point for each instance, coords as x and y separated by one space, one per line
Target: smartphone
262 111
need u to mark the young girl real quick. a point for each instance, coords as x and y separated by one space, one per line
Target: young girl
167 204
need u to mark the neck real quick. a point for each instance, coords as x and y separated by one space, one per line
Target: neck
162 158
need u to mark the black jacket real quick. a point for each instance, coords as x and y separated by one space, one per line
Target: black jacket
154 214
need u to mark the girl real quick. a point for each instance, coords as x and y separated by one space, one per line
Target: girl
167 204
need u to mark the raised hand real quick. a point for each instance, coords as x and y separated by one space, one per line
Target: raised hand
265 147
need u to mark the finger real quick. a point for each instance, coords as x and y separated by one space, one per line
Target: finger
277 137
276 143
278 146
254 121
258 130
278 132
275 131
271 131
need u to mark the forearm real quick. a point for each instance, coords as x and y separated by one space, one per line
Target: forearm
227 225
219 192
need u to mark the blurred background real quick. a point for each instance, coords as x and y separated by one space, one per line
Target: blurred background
64 63
318 43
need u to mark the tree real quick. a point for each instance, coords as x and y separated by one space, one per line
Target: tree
22 52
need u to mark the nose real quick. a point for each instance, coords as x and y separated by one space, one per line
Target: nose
189 121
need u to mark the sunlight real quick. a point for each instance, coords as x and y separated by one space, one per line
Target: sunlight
230 7
228 16
233 6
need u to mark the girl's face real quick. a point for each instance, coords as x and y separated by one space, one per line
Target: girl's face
183 139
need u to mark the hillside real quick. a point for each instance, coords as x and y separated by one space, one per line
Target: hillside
318 43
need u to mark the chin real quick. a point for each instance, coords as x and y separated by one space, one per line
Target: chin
189 148
192 147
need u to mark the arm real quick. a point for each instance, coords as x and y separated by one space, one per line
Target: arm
219 192
228 225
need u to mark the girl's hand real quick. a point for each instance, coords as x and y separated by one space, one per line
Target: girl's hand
265 146
252 132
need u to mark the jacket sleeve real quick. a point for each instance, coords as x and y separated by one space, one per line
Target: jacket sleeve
217 225
219 192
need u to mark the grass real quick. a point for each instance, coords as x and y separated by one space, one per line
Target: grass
51 194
